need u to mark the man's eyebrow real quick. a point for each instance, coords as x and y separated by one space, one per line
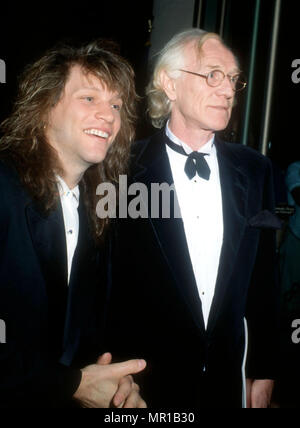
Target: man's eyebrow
94 88
219 67
85 88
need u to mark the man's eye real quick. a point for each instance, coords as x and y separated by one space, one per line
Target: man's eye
116 107
89 99
235 78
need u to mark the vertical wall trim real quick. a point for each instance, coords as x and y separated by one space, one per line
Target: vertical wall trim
198 13
251 74
222 21
271 74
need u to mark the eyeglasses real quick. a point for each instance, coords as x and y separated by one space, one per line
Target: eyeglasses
215 78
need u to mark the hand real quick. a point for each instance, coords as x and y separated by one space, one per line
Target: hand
259 393
128 394
100 382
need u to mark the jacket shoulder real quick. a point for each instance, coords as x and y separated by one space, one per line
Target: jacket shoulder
139 146
157 137
247 158
12 190
8 175
246 152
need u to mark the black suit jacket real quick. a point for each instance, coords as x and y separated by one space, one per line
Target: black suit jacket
52 329
156 311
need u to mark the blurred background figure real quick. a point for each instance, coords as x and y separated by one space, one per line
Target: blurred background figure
290 293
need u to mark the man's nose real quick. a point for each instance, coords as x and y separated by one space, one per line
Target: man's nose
104 112
226 88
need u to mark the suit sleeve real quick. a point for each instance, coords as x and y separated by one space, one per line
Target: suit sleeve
51 385
263 299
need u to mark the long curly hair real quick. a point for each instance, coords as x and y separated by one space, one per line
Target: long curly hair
24 142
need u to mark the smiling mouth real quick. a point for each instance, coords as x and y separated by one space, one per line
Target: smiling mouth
97 133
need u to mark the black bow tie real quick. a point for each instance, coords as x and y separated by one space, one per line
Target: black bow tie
195 161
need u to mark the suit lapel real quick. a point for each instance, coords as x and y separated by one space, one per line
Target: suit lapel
83 280
234 186
153 166
48 237
69 305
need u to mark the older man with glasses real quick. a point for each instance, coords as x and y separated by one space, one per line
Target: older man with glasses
202 286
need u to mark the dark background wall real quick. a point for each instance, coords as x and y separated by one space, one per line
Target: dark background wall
26 31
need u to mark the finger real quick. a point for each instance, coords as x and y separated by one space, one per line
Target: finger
135 401
105 359
126 368
124 391
142 404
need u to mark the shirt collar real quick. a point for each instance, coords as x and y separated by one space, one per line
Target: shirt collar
207 148
64 189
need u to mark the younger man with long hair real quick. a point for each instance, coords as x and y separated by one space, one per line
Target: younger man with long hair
71 129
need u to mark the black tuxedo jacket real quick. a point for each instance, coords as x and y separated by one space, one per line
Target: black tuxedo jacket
52 329
156 311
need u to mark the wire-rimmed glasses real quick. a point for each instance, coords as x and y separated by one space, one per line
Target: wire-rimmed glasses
215 78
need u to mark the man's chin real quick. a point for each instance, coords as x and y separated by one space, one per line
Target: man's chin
94 161
221 126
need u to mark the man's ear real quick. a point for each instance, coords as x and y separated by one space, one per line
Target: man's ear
168 85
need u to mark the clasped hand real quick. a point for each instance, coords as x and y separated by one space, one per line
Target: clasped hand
105 385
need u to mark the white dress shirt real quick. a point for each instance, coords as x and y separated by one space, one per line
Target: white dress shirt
70 202
200 203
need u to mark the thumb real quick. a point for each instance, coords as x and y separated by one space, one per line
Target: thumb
104 359
126 368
